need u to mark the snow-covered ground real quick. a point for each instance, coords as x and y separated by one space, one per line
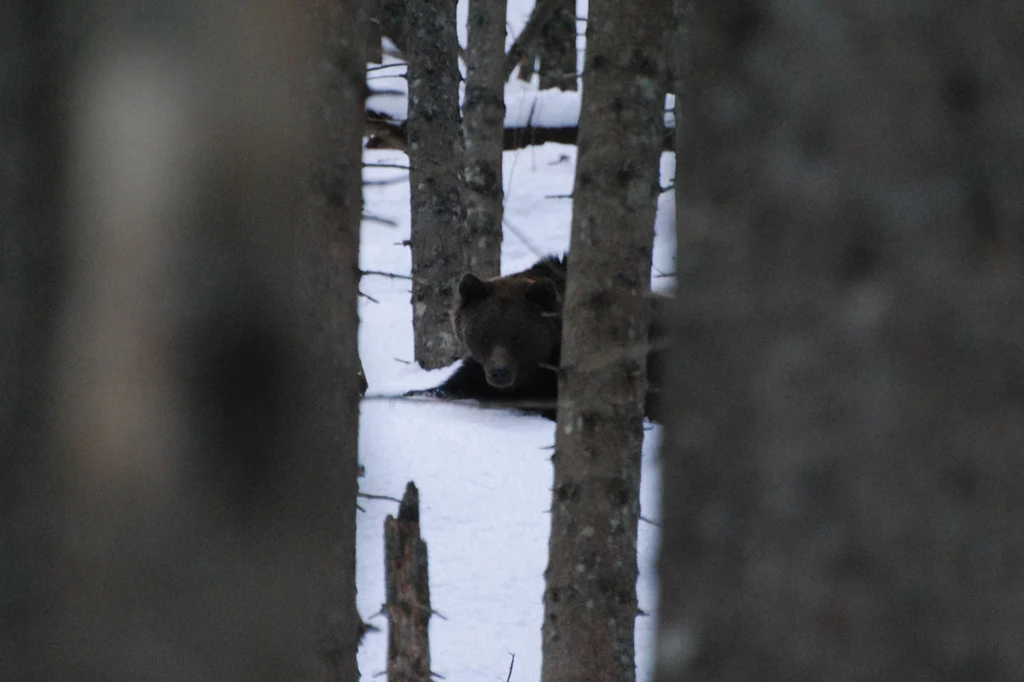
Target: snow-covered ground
484 476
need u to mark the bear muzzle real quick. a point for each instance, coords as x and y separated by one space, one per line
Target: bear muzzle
500 368
500 376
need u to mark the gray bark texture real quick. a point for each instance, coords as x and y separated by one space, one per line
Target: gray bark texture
407 590
550 36
590 599
483 134
374 44
557 49
185 470
843 481
435 160
392 22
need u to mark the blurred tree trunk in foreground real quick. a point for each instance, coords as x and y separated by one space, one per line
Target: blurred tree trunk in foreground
590 602
843 480
32 270
184 459
439 254
483 135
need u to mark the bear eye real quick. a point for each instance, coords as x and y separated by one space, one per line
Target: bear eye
516 340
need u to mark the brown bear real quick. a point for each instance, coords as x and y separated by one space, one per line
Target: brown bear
512 329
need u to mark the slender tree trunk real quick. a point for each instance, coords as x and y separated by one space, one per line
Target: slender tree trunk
590 598
527 63
192 505
374 44
524 49
842 480
557 48
392 22
549 39
435 158
483 135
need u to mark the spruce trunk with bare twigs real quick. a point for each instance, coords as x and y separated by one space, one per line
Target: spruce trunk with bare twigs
546 46
590 602
439 255
483 128
556 53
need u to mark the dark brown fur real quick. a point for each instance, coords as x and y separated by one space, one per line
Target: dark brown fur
511 327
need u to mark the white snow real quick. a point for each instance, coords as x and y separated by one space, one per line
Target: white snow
484 475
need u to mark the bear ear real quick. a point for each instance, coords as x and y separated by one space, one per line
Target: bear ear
543 293
471 288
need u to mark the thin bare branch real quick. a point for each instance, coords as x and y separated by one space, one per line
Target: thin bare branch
380 273
368 496
369 217
385 66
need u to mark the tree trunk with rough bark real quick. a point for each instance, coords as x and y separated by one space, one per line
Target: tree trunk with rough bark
557 48
483 127
435 161
550 36
842 478
332 253
391 21
189 492
590 597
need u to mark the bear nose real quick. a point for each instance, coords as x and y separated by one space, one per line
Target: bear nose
500 377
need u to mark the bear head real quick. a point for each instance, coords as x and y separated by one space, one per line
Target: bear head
510 325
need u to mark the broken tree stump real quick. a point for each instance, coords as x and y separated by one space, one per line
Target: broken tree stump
407 591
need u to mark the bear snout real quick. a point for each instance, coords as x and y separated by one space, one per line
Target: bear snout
500 376
501 372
